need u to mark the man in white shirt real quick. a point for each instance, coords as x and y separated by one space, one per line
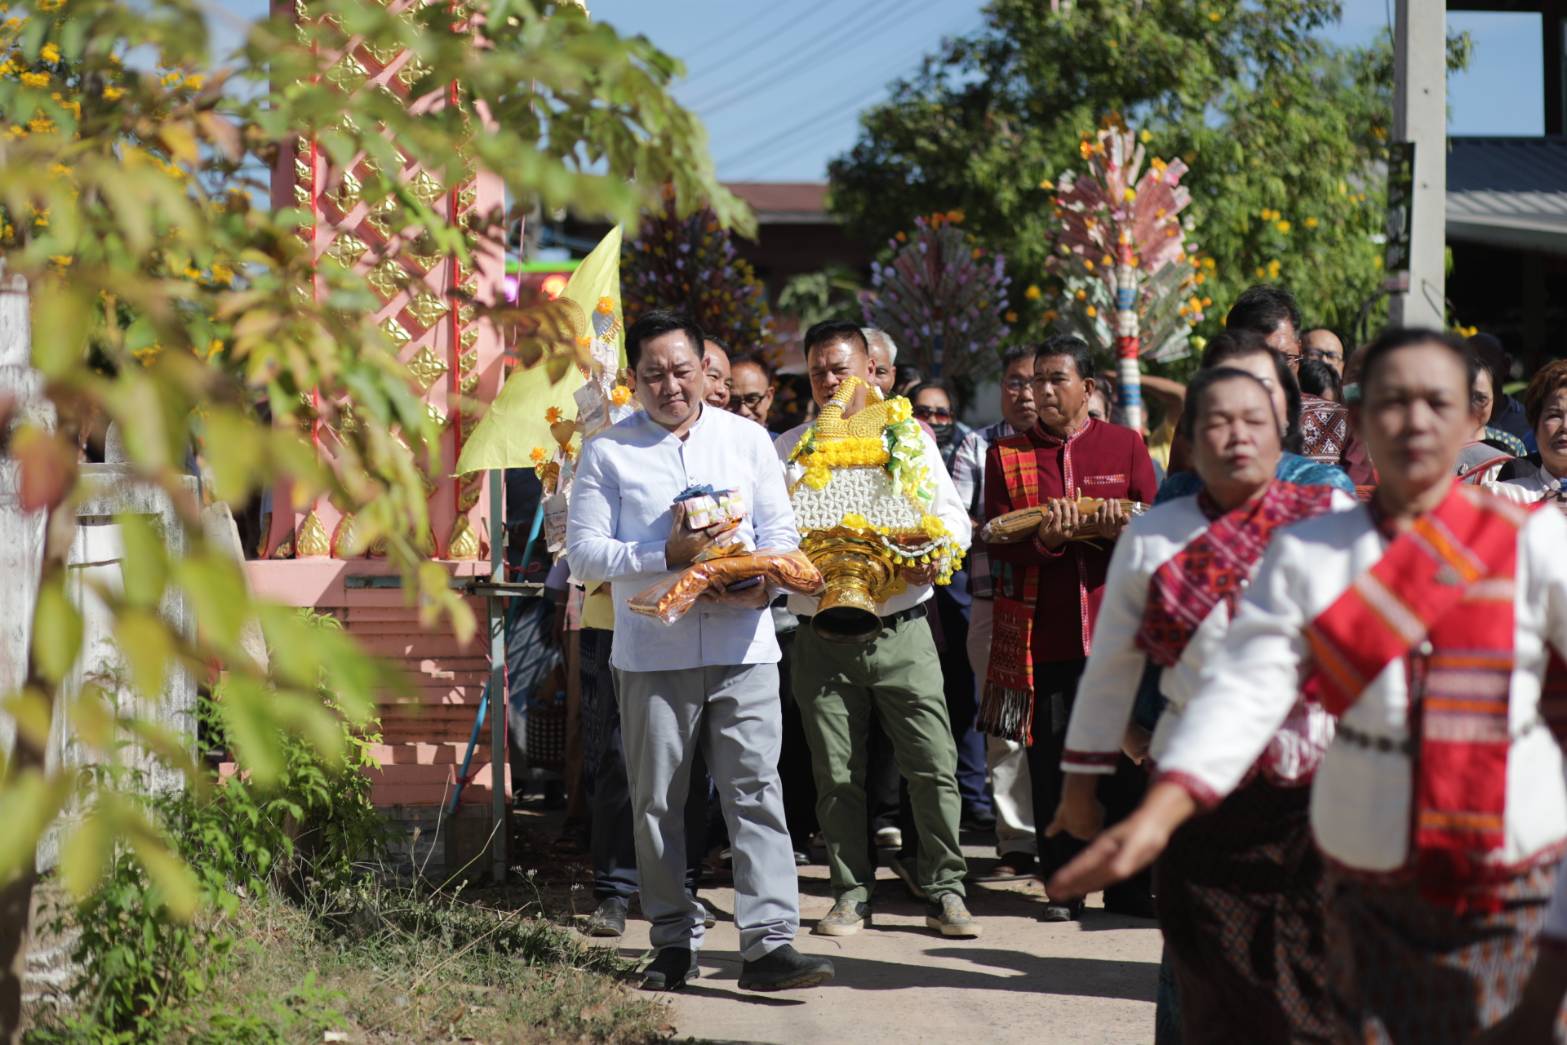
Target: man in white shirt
711 678
898 673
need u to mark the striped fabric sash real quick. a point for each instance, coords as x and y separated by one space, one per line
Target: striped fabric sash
1215 566
1006 708
1447 583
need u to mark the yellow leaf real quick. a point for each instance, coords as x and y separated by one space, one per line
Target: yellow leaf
148 647
92 716
180 140
29 802
144 570
64 311
57 632
33 714
174 881
85 854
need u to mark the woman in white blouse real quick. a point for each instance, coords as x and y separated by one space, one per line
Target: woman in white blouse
1424 621
1239 892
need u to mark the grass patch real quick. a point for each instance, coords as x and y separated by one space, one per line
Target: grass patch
378 964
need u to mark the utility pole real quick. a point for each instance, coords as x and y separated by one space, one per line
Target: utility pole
1420 118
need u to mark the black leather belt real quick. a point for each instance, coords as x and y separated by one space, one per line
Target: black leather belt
892 620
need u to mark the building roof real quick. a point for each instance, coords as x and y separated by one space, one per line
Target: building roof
1508 192
785 202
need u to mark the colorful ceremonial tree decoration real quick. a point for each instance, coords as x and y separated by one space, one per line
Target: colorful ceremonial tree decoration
690 263
942 298
1129 277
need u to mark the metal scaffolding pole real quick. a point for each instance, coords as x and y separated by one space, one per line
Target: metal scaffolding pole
497 708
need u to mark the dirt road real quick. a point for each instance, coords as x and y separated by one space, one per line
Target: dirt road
1022 981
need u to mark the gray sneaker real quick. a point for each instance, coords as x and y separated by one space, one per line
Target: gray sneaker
845 919
947 914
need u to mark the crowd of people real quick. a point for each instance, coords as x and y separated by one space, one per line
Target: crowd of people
1280 671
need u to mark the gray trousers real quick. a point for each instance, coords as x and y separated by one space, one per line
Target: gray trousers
733 713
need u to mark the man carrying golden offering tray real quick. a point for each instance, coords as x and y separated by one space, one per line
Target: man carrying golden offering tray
879 517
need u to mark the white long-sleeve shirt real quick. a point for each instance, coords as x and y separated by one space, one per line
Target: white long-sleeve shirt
1110 681
1360 801
627 478
947 506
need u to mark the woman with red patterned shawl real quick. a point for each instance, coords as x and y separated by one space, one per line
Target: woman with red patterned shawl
1239 892
1425 622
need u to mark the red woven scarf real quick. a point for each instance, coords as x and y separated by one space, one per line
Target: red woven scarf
1446 586
1006 708
1216 565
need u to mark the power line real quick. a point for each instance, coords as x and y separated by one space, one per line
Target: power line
768 75
784 137
742 50
770 144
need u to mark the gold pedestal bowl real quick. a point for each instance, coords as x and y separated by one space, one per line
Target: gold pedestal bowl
857 574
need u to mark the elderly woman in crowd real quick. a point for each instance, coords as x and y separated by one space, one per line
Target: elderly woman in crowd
1545 405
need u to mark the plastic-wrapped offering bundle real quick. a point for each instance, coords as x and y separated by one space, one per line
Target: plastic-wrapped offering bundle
1021 524
672 597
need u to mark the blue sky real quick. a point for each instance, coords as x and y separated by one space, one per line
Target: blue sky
779 82
778 104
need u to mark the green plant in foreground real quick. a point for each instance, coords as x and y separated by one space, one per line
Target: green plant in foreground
309 832
167 300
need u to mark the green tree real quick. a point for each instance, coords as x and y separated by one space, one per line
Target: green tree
1283 134
811 297
165 299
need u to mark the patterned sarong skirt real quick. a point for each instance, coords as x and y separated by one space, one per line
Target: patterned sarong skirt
1240 894
1409 971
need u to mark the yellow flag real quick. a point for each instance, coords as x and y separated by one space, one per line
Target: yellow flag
514 424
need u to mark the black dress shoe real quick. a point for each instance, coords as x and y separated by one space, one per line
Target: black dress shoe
1013 867
1134 902
977 820
670 969
610 918
1062 912
783 969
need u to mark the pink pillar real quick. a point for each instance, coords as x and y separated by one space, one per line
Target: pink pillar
449 354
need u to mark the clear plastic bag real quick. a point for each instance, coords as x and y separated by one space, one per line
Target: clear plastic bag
671 598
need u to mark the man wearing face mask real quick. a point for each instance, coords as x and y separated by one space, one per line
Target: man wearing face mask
708 680
935 404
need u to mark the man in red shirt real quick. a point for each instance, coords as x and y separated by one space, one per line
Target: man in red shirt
1048 587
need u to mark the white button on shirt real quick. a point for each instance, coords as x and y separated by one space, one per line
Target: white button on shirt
947 506
626 480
